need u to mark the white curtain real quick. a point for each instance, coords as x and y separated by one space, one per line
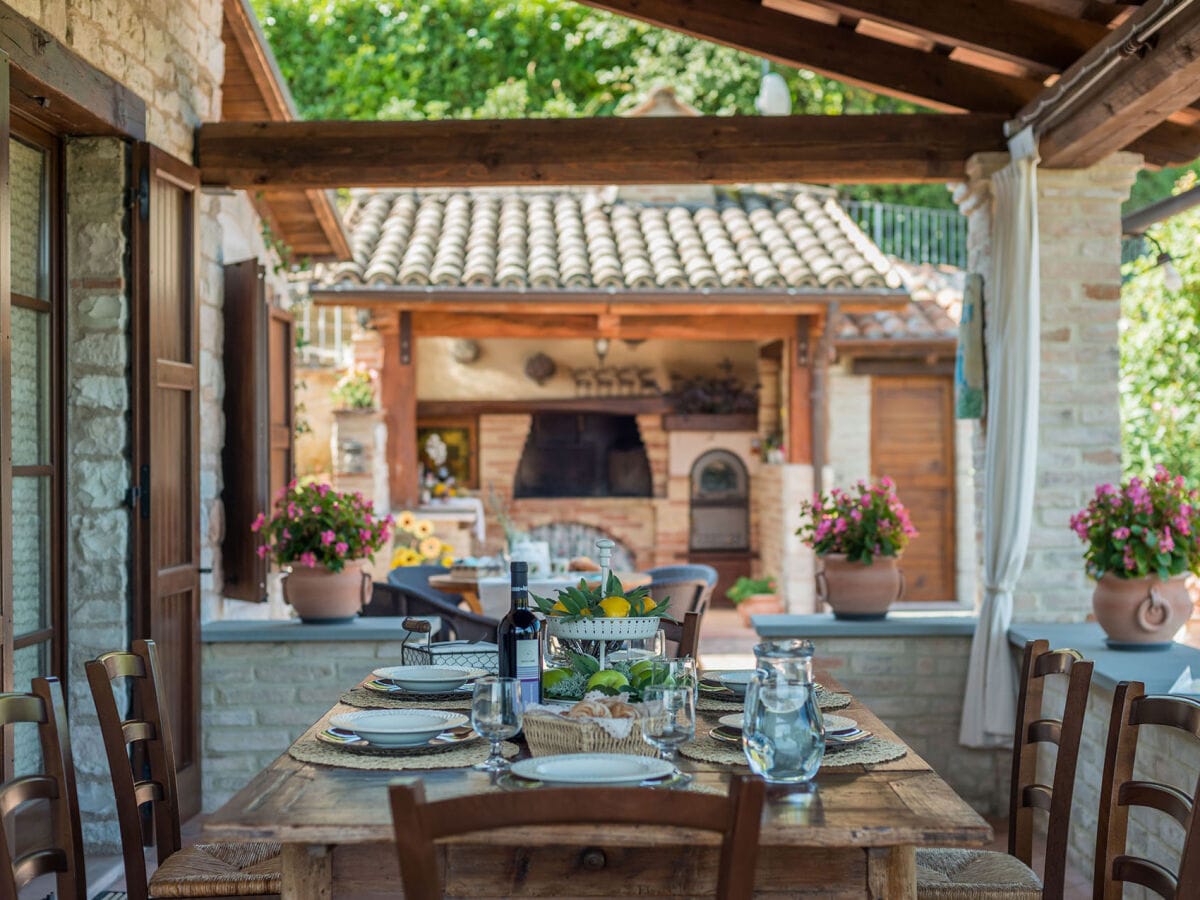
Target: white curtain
1012 321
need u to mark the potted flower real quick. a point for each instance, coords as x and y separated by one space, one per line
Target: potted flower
417 545
859 534
356 389
325 539
1141 545
754 597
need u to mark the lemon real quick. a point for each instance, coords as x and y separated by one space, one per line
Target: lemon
558 607
615 607
551 677
608 678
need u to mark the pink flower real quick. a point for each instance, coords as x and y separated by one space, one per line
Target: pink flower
856 515
259 521
322 489
364 535
1166 543
1160 473
291 485
262 551
293 510
327 537
341 547
1119 534
886 482
316 510
308 559
840 526
865 502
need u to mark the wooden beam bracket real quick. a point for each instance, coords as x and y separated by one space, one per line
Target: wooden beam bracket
406 338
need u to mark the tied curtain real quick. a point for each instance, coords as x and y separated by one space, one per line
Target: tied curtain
1012 330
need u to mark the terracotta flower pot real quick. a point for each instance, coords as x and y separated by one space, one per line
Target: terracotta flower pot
758 605
856 590
1141 613
321 597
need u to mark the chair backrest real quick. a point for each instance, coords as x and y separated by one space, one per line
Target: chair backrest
1131 709
1032 731
684 572
417 577
53 787
418 824
457 623
687 594
684 635
150 737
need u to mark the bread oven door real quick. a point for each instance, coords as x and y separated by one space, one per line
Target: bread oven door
720 503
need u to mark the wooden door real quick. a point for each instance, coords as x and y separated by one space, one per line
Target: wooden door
912 441
281 345
166 446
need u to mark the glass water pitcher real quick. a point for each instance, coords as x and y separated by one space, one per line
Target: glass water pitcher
783 734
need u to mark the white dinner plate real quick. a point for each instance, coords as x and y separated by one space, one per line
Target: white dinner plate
838 724
593 768
737 681
428 679
398 727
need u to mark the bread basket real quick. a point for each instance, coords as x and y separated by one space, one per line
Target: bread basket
548 734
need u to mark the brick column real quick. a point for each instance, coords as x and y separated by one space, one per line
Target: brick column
1079 444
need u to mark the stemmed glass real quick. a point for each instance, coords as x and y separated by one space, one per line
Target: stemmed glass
669 720
496 711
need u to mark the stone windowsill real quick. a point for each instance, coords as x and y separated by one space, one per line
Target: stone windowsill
903 624
373 628
1156 669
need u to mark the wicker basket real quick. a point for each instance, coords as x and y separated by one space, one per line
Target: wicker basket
548 735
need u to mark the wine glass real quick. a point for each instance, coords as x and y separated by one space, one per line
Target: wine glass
669 720
496 714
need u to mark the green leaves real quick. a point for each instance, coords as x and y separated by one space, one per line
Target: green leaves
584 664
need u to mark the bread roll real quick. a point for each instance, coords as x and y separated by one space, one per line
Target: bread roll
589 709
619 709
583 564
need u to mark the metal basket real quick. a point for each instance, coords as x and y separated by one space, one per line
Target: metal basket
419 649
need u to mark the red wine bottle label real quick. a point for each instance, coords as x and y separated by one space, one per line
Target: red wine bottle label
529 671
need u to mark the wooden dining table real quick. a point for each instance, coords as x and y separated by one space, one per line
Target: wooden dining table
855 836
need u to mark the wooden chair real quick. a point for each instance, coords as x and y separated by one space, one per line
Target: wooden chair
1120 790
419 824
202 870
946 874
685 636
53 789
687 594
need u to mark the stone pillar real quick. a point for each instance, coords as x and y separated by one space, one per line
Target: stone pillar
1079 443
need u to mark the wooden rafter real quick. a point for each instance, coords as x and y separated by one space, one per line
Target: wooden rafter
931 79
720 150
1112 97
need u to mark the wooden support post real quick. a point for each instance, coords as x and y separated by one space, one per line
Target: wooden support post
398 395
799 393
820 336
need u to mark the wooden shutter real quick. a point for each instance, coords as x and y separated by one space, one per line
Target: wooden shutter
257 458
166 445
6 544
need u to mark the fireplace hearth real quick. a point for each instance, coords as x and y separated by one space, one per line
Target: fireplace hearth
583 455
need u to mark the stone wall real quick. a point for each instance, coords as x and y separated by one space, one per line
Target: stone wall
849 426
776 495
97 447
915 685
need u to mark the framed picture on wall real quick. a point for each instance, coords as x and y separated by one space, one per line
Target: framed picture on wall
460 434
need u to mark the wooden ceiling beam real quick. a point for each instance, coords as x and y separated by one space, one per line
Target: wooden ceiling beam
904 72
615 150
1035 37
539 325
1132 95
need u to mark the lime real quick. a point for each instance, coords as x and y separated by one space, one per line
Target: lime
642 665
608 678
551 677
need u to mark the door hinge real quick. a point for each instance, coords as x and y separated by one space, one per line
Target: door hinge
133 496
138 496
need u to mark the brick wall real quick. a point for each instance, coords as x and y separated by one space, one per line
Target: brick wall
915 685
775 496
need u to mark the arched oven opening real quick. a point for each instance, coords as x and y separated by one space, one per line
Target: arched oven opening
720 503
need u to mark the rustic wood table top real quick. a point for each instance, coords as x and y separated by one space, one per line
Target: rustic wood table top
893 804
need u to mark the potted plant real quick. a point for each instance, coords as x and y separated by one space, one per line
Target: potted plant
1141 545
325 540
859 535
356 389
754 597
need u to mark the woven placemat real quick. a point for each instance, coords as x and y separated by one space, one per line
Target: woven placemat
365 699
869 753
311 750
828 700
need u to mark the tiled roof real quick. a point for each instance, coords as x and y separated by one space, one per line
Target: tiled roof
587 239
931 314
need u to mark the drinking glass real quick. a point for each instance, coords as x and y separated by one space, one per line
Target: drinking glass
496 714
783 734
669 720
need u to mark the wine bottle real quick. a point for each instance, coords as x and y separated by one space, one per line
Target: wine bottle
519 635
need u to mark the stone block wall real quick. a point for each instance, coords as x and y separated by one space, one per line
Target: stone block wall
915 685
849 426
97 447
776 494
1163 755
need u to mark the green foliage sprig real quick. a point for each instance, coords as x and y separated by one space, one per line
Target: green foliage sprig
746 587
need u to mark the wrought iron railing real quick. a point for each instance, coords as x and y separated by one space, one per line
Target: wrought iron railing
914 234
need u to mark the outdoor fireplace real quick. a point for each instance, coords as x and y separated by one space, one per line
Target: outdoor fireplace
720 495
583 455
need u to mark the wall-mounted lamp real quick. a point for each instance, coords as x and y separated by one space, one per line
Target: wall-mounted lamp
774 97
1172 280
602 346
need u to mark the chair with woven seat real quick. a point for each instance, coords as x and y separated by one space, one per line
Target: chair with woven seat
950 874
202 870
53 787
419 824
1132 708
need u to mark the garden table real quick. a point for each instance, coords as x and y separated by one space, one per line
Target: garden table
855 837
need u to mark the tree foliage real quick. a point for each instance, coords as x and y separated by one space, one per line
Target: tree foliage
370 59
1160 355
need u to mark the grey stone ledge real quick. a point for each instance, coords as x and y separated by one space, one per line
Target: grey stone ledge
823 625
373 628
1157 669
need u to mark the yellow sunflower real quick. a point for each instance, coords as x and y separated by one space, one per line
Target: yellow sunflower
430 548
423 528
406 520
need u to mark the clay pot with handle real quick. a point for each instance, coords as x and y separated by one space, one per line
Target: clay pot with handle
321 597
1141 613
857 590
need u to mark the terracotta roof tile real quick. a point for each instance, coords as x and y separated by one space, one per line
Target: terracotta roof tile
931 314
578 238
